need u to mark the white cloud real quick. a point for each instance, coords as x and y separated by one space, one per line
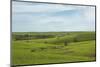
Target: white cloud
82 20
41 7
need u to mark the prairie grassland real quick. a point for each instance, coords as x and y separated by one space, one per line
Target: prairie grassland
52 47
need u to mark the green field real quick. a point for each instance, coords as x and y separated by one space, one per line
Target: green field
52 47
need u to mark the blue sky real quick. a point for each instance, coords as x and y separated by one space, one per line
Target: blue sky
42 17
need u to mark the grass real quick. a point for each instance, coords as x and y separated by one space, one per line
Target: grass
53 50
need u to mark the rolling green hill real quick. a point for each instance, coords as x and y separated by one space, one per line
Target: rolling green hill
52 47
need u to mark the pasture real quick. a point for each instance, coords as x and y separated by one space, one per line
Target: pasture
52 47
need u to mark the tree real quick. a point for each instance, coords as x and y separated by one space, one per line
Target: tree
65 43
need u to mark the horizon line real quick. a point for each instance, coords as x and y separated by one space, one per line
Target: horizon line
53 31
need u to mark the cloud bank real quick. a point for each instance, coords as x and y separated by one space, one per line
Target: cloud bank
42 17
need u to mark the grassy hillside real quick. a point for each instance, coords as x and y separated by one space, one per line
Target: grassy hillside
52 47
